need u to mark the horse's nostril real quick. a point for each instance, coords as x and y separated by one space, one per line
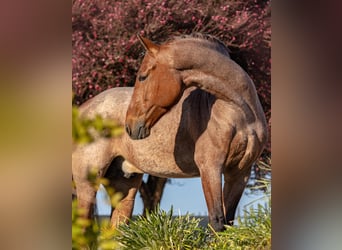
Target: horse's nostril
128 130
141 132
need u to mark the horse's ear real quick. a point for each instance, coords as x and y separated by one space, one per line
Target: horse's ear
149 45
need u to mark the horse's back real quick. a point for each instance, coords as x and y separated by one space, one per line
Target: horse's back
110 104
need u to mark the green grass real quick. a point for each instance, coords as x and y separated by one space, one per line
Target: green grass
253 231
160 230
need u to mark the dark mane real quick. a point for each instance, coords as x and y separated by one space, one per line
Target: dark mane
219 45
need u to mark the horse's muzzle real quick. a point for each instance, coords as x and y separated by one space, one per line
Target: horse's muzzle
137 131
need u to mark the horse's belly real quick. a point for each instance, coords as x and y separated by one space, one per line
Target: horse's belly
159 159
164 165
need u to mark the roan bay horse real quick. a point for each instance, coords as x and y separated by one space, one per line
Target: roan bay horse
193 113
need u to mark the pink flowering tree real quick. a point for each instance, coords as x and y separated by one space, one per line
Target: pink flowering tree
107 54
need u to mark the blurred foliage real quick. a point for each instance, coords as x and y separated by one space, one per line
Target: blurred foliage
83 230
89 233
81 127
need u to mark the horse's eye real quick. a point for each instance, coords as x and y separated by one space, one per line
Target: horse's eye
142 78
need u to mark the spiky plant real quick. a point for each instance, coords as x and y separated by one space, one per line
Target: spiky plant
253 231
160 230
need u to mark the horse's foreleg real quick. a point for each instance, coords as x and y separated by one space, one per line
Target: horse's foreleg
128 187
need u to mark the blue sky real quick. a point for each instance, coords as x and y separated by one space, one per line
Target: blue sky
184 195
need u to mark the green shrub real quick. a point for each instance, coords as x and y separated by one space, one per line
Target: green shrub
81 127
90 234
252 232
160 230
81 236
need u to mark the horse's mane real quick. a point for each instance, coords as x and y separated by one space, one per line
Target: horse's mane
218 44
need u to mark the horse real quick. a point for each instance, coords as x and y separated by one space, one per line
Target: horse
223 128
186 117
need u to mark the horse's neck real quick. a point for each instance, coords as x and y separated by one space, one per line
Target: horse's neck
219 75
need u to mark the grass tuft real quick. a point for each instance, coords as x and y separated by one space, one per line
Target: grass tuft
160 230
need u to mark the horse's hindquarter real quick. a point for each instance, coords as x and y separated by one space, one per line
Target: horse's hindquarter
228 139
111 104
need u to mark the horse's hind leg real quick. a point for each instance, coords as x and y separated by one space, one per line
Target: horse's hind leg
236 178
212 188
128 187
232 192
84 157
85 194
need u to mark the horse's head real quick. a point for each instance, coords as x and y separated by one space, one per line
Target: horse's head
158 87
